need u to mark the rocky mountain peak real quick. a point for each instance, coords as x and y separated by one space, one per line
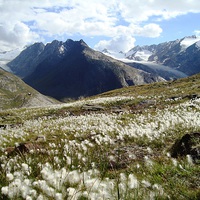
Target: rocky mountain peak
71 69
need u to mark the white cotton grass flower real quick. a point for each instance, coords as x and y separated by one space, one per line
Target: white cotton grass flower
148 161
25 168
159 188
146 183
29 197
174 162
16 144
13 189
132 181
71 191
4 190
122 187
138 165
9 176
41 197
149 150
58 196
33 193
168 155
123 177
189 159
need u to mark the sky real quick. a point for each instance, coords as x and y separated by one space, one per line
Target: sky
116 25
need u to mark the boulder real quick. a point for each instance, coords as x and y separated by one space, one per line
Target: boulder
189 144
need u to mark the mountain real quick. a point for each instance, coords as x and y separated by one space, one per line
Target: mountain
182 55
14 93
71 69
23 64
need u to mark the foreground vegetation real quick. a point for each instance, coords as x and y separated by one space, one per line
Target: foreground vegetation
113 146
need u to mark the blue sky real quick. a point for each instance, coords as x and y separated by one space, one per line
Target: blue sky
115 24
175 28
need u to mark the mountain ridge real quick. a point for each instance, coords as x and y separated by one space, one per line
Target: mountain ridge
72 69
180 54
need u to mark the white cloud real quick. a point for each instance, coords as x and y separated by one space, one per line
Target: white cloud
116 44
197 33
12 36
149 30
141 10
24 21
123 37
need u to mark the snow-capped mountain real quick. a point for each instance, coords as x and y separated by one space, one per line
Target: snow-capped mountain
188 41
182 54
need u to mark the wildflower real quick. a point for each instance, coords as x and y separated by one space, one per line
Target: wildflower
58 196
40 197
132 181
9 177
146 183
148 161
4 190
33 193
71 191
189 159
28 198
168 155
174 161
25 168
159 188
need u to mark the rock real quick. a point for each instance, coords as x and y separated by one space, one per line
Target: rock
192 96
22 148
27 147
189 144
148 102
40 138
90 107
118 110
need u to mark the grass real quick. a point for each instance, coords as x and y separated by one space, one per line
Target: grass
104 154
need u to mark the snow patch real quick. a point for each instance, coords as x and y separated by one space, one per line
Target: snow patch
62 49
188 41
198 44
142 55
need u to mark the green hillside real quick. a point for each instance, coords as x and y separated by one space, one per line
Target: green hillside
117 145
14 93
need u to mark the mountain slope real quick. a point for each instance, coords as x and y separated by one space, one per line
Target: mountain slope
71 69
71 151
23 64
14 93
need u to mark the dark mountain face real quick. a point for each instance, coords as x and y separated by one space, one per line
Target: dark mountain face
188 61
72 69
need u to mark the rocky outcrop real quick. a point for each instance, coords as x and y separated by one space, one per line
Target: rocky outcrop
189 144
